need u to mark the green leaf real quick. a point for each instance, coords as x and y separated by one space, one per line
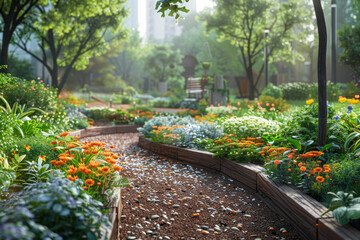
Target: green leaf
57 208
296 143
353 212
340 214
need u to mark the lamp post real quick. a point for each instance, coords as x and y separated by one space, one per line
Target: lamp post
333 41
266 62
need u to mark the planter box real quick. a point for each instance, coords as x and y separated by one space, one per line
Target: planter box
330 229
144 143
200 158
245 173
95 131
302 210
115 206
164 149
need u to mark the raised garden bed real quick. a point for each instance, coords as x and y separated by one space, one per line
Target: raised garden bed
298 208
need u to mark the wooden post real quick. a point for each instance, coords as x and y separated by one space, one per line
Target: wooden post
217 96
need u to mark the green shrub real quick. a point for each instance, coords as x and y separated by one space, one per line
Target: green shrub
119 117
249 126
63 207
31 93
278 104
39 145
272 91
295 91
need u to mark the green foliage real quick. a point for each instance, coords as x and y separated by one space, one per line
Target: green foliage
234 149
171 6
278 104
21 68
295 91
39 146
272 91
245 29
8 134
344 207
29 93
20 223
163 63
72 32
63 207
250 126
349 37
119 117
304 122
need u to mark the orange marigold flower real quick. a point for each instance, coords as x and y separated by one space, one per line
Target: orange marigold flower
63 134
112 146
303 169
320 179
276 162
99 184
318 169
300 164
289 169
27 147
105 169
116 167
71 145
54 142
85 187
89 182
326 166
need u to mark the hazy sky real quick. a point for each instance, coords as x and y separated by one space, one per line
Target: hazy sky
200 5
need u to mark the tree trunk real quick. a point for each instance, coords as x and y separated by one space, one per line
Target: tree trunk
252 87
4 53
321 73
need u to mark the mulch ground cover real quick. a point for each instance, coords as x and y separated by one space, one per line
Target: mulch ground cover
172 200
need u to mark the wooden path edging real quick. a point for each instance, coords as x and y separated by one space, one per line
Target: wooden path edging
115 205
298 208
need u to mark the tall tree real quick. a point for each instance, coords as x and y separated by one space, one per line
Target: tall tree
13 13
163 63
243 23
69 33
128 61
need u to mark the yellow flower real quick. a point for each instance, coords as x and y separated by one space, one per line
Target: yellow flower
342 99
310 101
27 147
42 157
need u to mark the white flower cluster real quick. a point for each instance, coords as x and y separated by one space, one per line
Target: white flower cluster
250 126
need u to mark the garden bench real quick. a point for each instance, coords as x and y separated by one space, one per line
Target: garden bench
194 88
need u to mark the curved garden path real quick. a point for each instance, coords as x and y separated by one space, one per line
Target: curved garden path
173 200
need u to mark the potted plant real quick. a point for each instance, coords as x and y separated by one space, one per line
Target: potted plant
345 208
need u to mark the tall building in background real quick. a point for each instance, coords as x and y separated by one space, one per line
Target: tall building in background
132 21
161 30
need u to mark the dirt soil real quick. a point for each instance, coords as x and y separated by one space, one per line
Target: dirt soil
173 200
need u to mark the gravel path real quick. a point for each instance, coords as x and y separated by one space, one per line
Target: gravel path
173 200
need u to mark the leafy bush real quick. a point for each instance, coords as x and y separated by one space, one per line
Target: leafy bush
119 117
38 146
272 91
295 91
278 104
20 223
98 114
220 111
60 206
8 134
304 122
189 104
31 93
231 147
250 126
195 132
78 120
167 121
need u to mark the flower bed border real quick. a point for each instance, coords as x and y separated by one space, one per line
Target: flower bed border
295 206
115 205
